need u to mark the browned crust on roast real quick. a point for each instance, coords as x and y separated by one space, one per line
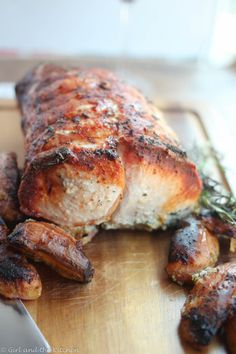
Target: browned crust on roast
50 244
9 183
137 119
192 249
208 305
64 108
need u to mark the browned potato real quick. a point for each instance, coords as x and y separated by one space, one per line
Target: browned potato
230 334
192 249
209 304
218 226
3 231
18 278
50 244
9 183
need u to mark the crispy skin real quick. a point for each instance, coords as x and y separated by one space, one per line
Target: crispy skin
192 249
208 305
9 183
98 152
230 334
18 278
50 244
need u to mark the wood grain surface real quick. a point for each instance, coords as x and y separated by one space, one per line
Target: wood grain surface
130 307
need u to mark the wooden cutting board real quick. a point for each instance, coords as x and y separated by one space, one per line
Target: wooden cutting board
130 307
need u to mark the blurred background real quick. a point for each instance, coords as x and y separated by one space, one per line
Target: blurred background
175 51
167 29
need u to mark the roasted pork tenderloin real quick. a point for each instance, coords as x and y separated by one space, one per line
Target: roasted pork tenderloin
98 152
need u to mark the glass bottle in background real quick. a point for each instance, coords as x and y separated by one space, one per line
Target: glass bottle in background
125 19
125 22
127 65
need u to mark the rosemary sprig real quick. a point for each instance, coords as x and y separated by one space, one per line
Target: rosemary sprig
214 198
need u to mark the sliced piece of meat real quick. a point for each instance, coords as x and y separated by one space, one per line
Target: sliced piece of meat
230 334
98 152
9 183
50 244
211 301
192 249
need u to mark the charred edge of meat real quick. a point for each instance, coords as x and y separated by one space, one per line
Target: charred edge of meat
64 154
57 157
40 163
38 144
30 78
183 241
22 87
150 141
108 153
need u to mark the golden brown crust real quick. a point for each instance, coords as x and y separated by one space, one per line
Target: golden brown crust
230 334
208 305
50 244
9 183
52 100
103 126
192 249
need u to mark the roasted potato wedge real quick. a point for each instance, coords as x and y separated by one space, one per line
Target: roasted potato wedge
50 244
230 334
192 249
209 304
9 183
18 278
